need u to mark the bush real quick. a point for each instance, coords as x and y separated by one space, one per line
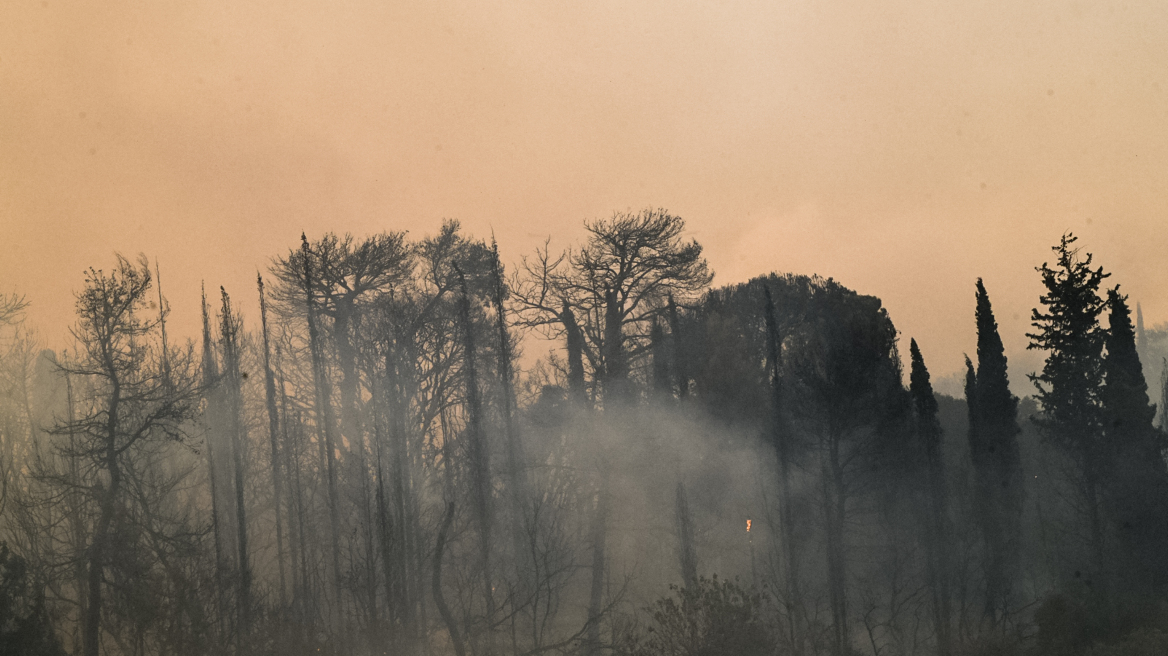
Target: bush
25 626
711 618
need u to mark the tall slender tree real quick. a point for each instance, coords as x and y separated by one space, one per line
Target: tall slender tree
1136 492
479 457
1069 385
928 433
993 446
324 417
677 354
273 436
211 429
232 382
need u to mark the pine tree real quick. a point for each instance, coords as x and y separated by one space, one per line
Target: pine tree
781 439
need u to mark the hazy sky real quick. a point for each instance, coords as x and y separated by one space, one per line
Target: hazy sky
901 147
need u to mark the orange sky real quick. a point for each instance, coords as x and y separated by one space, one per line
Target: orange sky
903 147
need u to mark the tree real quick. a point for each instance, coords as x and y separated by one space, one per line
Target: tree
847 382
928 433
334 282
781 440
343 276
618 283
1069 386
1137 479
232 381
993 447
131 403
478 455
11 305
273 435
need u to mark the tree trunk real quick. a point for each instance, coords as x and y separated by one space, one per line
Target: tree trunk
230 336
324 421
479 461
575 344
680 366
615 375
436 582
592 644
273 433
781 441
835 500
92 629
686 552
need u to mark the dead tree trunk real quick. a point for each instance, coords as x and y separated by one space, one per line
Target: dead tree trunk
325 423
576 386
687 554
273 432
516 478
479 459
592 645
210 380
436 582
680 366
229 335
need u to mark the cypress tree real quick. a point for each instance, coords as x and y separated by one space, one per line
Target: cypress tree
1136 476
996 459
1069 386
1127 414
928 434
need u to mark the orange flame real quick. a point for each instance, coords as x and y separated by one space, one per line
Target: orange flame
748 526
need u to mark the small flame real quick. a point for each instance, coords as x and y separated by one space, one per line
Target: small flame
748 526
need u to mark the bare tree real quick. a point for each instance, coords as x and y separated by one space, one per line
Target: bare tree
130 402
616 285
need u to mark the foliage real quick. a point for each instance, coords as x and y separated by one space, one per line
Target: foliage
25 625
709 618
1068 330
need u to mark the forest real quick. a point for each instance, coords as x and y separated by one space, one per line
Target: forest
381 460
